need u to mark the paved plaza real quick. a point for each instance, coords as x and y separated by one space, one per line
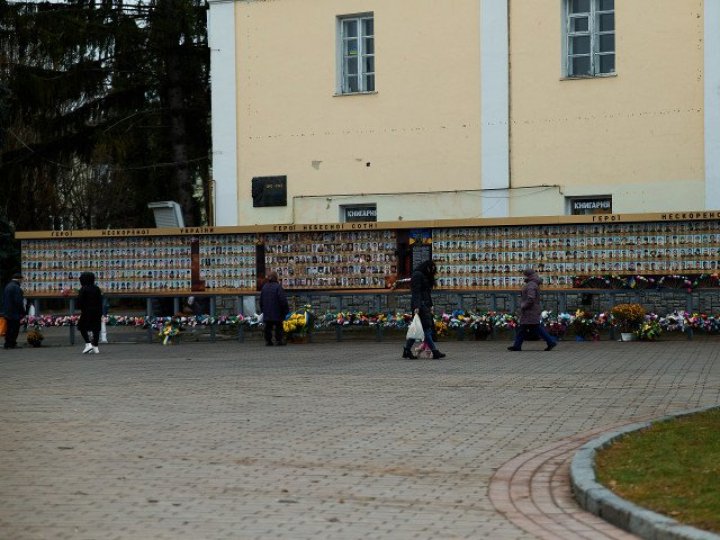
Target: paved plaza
346 440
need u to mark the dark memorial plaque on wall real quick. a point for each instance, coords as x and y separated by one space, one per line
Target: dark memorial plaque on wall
421 245
269 191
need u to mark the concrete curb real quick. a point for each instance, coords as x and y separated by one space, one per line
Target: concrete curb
602 502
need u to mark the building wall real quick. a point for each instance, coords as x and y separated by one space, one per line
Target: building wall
420 146
637 135
418 133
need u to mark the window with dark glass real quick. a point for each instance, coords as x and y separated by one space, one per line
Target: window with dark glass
590 31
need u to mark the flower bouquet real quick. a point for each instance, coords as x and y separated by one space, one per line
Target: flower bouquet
556 326
676 282
649 330
35 337
441 327
298 325
583 326
169 331
591 282
706 281
483 326
674 322
640 282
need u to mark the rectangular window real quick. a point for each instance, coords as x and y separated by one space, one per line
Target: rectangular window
590 31
357 54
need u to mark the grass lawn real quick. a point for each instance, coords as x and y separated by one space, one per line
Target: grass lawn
672 468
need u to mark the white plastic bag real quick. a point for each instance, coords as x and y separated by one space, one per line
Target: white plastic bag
415 330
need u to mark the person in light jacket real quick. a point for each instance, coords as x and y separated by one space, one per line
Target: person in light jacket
422 281
274 308
14 310
90 304
530 313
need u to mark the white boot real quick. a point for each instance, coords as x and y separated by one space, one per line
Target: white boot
87 348
95 350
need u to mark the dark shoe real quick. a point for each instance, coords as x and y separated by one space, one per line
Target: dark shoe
407 353
437 355
513 348
268 344
282 343
551 347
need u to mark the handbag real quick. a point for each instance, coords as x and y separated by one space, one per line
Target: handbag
3 326
422 350
415 330
531 332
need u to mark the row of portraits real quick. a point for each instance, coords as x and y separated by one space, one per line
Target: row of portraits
467 257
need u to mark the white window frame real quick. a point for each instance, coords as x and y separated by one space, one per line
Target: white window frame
365 78
595 35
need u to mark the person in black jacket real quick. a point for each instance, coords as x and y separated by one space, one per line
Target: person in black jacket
14 309
421 284
274 308
90 303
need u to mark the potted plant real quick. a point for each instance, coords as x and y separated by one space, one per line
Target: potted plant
628 318
35 337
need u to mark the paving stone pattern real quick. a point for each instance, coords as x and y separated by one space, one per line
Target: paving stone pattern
329 440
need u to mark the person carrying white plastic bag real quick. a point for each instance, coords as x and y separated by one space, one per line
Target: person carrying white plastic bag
421 284
415 330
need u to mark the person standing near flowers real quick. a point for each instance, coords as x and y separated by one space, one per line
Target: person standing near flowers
14 309
422 282
530 313
90 304
274 308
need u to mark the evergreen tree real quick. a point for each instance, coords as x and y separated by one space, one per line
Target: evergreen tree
106 108
9 252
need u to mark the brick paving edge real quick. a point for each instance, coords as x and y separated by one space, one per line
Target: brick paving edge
598 500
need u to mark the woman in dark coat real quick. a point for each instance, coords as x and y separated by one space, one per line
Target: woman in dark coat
421 284
530 313
90 303
274 307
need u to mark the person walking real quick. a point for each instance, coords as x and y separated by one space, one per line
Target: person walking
530 313
90 303
422 282
274 308
14 307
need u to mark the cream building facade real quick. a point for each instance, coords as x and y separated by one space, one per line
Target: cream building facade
333 110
